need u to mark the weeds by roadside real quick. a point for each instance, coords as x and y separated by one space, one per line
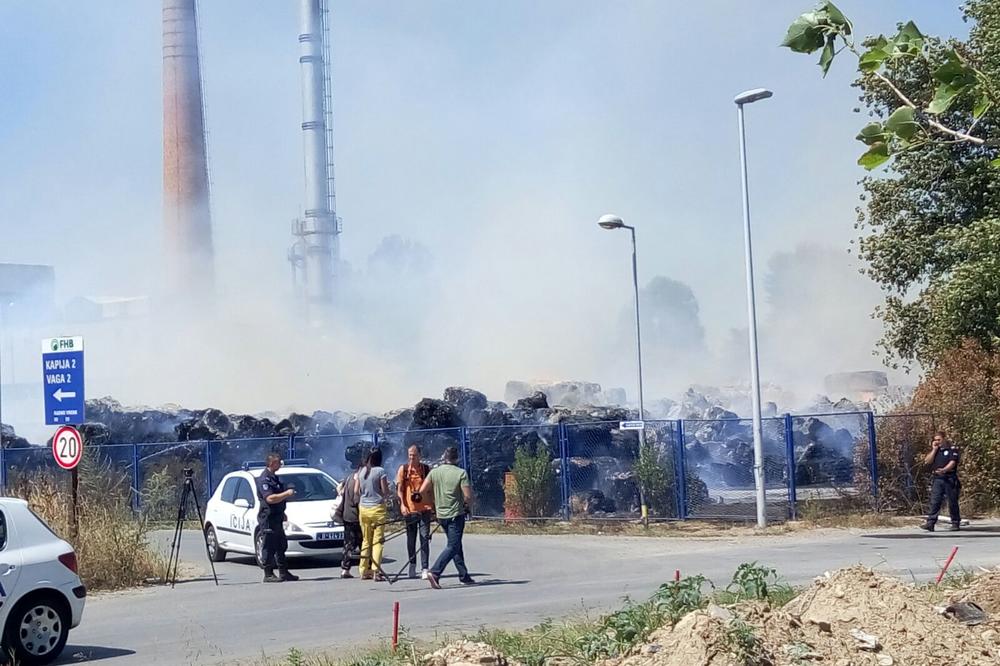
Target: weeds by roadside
745 645
753 582
685 529
629 528
112 544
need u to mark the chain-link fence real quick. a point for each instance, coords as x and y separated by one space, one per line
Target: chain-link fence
516 471
612 471
719 460
834 468
573 470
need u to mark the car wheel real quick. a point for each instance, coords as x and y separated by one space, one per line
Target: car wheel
215 553
37 630
258 548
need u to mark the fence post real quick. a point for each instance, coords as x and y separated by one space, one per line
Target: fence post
872 457
291 445
210 464
680 472
793 507
136 485
564 463
3 467
464 439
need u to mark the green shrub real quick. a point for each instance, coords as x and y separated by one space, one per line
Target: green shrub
752 581
654 481
534 483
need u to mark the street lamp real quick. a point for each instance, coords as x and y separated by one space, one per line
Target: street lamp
615 222
749 97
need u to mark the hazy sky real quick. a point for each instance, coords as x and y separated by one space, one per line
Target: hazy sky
493 132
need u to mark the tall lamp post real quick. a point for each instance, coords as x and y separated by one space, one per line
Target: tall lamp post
749 97
615 222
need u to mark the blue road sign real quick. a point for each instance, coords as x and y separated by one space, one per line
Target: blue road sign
62 380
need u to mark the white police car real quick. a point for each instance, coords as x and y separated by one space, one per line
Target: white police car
231 513
41 596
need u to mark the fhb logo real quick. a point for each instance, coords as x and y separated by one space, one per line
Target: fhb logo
62 344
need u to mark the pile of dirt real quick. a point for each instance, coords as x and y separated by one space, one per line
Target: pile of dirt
852 617
467 653
857 616
985 591
699 639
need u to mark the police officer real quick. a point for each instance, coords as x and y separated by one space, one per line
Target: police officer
273 497
943 459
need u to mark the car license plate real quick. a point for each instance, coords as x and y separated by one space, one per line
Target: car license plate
329 536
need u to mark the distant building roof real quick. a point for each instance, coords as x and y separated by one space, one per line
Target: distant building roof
97 308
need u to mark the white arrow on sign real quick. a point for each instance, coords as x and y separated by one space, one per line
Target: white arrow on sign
60 394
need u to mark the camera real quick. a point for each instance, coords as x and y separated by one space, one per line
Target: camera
416 497
188 472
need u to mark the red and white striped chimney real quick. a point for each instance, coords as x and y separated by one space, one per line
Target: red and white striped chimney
186 215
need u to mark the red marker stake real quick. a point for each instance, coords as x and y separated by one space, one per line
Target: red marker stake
946 565
395 625
677 575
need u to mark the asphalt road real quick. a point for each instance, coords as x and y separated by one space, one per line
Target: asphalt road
523 579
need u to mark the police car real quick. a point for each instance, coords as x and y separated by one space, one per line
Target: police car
231 513
41 596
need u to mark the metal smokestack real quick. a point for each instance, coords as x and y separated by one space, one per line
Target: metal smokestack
317 248
186 217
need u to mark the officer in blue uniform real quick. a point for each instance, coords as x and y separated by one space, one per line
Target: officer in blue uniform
271 518
943 459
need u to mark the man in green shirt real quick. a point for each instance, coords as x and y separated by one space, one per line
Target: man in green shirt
452 499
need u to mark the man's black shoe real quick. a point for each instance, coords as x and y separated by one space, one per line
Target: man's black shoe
269 576
468 580
928 527
954 528
285 574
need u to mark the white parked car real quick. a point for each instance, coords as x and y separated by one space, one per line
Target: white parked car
231 514
41 595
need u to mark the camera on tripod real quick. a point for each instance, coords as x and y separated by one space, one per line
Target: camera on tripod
189 494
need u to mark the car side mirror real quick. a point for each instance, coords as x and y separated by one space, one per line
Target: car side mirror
242 503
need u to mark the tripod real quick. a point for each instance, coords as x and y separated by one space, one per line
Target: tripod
175 548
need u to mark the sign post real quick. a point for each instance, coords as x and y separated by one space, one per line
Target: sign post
67 449
62 380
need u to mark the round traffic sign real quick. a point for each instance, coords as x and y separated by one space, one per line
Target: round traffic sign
67 447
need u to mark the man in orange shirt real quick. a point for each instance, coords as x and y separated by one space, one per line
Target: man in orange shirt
417 510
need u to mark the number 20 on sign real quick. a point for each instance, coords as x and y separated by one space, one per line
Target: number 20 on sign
67 447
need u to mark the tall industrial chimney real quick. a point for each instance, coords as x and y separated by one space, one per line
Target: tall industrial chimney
317 248
186 217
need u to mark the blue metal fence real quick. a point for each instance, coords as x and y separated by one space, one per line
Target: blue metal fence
682 468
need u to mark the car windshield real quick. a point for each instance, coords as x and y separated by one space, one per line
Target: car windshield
309 487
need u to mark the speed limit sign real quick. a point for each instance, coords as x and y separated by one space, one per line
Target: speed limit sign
67 447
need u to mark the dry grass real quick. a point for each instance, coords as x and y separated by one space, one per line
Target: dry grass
688 528
408 653
111 547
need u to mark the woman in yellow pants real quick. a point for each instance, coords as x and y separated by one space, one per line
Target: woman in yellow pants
373 488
